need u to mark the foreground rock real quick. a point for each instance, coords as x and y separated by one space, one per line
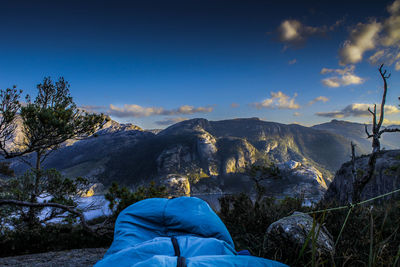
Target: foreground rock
386 178
291 233
74 258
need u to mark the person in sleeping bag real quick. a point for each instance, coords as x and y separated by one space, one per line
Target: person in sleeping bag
182 232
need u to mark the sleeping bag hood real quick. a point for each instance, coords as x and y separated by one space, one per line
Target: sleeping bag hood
182 231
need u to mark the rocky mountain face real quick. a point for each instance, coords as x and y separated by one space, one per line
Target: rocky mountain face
200 156
386 177
88 157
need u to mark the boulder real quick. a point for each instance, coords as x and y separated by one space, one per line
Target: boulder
290 233
177 185
386 178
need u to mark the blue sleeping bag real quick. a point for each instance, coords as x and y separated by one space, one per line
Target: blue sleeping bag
180 232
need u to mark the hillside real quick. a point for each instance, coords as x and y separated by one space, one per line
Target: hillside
211 155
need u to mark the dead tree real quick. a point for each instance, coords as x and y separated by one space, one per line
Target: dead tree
376 126
360 182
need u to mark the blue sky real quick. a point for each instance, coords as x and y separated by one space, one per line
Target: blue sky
153 63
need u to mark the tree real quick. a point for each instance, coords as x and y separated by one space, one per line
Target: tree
121 197
376 126
360 182
258 174
45 123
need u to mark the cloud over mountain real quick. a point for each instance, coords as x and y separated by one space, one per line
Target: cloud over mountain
139 111
170 121
357 110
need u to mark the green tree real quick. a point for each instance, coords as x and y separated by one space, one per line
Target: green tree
260 173
121 197
45 123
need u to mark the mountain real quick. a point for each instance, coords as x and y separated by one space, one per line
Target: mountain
210 156
356 133
87 157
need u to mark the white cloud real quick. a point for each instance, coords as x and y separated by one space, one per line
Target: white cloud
133 111
362 38
391 35
92 108
357 110
278 100
377 56
290 31
293 61
139 111
331 82
381 37
319 98
345 77
391 122
296 114
293 32
171 121
397 66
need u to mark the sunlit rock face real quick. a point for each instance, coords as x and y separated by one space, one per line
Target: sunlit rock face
207 150
307 172
240 153
94 189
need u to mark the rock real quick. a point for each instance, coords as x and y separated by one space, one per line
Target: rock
237 153
207 150
291 164
177 185
313 174
386 178
95 189
173 159
290 233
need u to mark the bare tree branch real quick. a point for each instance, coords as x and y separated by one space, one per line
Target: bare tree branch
384 77
366 131
70 209
389 130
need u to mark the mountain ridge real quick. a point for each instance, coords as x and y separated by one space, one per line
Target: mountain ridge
210 155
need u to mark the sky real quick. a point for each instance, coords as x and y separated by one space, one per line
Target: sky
155 63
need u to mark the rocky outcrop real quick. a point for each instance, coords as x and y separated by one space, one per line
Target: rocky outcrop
94 189
292 232
207 150
177 185
237 153
302 180
385 179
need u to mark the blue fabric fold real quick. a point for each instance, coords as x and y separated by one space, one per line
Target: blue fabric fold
143 231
